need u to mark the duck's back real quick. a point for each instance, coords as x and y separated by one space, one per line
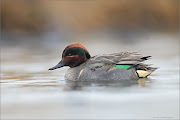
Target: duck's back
117 66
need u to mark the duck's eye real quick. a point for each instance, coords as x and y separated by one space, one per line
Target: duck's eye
69 54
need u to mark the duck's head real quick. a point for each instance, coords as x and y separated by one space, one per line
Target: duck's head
73 55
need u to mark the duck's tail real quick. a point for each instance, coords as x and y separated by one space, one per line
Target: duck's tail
144 70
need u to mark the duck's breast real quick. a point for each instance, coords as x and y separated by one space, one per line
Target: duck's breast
74 73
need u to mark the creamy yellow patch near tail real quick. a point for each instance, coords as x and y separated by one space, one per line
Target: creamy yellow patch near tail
143 73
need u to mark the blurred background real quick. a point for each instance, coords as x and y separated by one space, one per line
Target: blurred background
57 21
35 32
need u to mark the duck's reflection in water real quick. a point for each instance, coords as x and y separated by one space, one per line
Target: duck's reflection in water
96 85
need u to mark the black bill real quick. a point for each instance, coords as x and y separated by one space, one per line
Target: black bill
59 65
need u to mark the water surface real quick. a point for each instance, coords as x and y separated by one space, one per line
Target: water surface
29 90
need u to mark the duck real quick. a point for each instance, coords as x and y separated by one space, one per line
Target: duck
116 66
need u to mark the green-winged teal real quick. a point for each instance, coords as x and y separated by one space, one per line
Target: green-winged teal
116 66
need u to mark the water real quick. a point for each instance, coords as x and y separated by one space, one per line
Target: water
30 91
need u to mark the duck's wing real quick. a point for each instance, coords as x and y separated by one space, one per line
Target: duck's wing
119 58
107 61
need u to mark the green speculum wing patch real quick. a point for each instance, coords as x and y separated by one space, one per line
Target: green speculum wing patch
122 66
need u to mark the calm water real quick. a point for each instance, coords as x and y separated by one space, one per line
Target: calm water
29 90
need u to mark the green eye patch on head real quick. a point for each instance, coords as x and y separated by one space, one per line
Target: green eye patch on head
75 51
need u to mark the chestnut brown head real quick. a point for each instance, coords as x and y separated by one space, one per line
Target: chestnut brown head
73 55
